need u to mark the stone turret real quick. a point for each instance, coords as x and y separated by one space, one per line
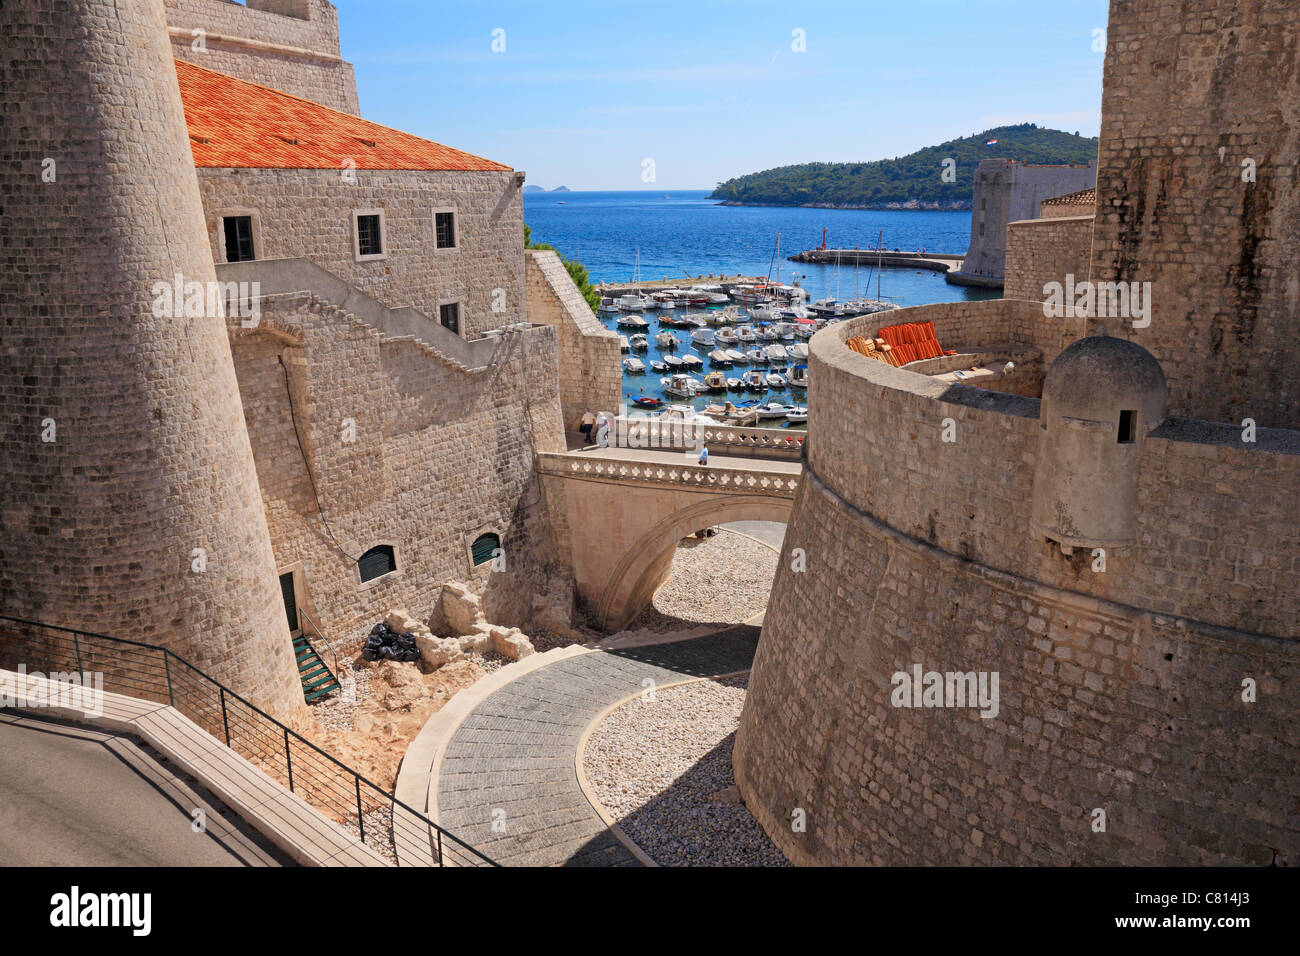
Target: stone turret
129 503
1101 397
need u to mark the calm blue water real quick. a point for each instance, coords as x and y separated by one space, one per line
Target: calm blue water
685 233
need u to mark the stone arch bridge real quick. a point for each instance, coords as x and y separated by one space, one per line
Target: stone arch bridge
624 509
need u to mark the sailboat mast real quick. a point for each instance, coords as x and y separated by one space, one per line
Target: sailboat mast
880 255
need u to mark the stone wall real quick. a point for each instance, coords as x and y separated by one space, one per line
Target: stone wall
1120 689
139 514
1040 251
440 456
1194 89
289 45
591 372
308 212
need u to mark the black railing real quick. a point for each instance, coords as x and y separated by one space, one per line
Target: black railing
147 671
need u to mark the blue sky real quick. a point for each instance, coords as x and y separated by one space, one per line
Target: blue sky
587 90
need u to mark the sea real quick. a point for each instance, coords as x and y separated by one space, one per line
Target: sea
685 234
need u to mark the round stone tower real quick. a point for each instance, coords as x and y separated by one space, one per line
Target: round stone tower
1101 397
129 503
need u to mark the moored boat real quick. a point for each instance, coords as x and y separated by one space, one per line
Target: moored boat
775 380
757 356
692 361
672 361
702 337
632 322
634 365
716 382
682 385
798 376
666 340
638 342
658 366
720 358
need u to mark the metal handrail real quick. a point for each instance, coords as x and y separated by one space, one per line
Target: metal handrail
174 698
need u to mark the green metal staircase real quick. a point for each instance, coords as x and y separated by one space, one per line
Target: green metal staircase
317 679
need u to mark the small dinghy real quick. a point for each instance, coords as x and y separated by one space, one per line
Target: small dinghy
645 401
775 381
658 366
634 365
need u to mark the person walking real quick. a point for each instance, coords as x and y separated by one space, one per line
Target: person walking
602 430
588 422
704 454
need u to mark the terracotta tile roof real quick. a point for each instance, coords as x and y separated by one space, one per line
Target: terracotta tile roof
236 124
1084 197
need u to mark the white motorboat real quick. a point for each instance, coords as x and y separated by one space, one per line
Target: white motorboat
773 410
692 362
805 331
661 300
658 366
827 307
745 335
632 322
712 294
757 356
737 356
797 414
727 336
672 361
797 376
785 331
797 351
735 384
702 337
766 333
634 365
632 302
666 340
720 358
775 380
638 342
753 381
777 354
682 385
607 304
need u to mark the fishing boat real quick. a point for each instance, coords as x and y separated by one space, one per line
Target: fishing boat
672 361
727 336
633 364
776 354
715 382
720 359
797 414
638 342
666 340
798 376
753 381
757 356
702 337
682 385
775 380
745 334
692 361
632 322
658 366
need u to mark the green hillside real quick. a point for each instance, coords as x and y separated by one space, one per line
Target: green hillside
913 181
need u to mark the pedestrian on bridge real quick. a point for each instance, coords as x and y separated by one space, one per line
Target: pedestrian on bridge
704 454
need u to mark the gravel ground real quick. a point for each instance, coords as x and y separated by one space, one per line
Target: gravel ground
725 579
663 769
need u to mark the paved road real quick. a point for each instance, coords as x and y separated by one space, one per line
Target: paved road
516 751
71 796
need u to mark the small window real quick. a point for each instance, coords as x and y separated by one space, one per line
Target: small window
444 224
1127 427
984 204
981 229
370 240
239 238
485 548
449 316
377 562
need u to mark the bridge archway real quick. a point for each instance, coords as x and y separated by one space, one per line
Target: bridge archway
644 566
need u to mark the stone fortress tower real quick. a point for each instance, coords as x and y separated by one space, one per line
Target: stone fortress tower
1119 546
130 503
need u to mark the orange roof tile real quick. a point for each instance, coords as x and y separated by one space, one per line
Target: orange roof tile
1084 197
236 124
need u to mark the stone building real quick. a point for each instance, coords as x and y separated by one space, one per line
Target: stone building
1006 191
1118 546
357 426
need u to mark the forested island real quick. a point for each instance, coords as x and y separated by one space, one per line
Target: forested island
915 181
